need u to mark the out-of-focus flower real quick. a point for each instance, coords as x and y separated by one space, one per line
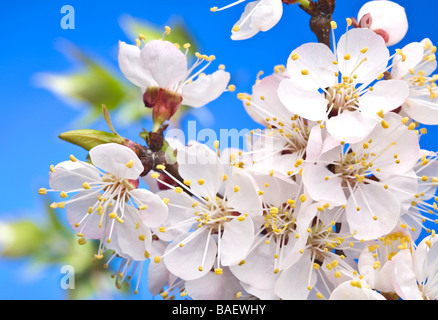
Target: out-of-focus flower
386 18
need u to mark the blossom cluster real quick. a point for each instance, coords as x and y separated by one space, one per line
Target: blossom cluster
327 201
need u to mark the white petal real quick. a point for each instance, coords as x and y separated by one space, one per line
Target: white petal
130 65
118 160
293 282
267 14
321 189
165 63
422 109
350 126
130 238
69 175
373 201
245 30
405 282
317 60
236 240
184 261
414 55
244 198
214 287
78 210
205 89
311 105
158 275
377 55
201 165
156 212
258 269
387 95
346 291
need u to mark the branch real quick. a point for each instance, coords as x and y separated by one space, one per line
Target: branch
321 15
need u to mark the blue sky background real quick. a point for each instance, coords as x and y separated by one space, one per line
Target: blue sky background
32 117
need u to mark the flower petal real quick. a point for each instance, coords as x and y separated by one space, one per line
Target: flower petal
155 213
205 89
130 65
118 160
165 63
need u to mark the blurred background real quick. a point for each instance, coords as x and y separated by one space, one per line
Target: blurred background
55 80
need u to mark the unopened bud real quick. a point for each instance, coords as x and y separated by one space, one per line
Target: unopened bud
386 18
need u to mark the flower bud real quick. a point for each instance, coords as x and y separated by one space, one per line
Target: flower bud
163 102
386 18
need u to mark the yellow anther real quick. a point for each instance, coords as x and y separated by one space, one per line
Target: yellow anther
112 215
73 158
42 191
162 229
155 175
236 28
63 194
305 72
295 56
231 88
347 56
334 25
303 198
218 271
168 30
130 164
213 9
384 124
380 76
236 189
166 201
178 190
144 207
157 259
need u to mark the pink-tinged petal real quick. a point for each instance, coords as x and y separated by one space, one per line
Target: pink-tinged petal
422 108
308 104
404 279
165 63
202 167
214 287
78 210
404 187
322 189
131 66
69 175
258 269
378 214
386 95
130 238
314 144
311 66
155 212
350 126
205 89
242 194
118 160
268 294
413 53
346 291
293 282
366 66
236 241
184 261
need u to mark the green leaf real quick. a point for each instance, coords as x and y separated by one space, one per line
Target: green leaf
90 138
24 238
